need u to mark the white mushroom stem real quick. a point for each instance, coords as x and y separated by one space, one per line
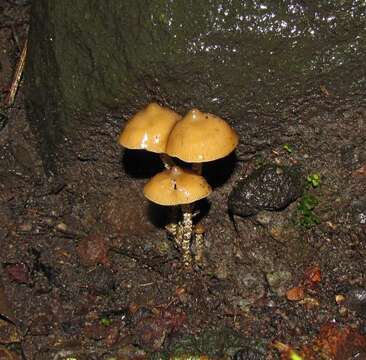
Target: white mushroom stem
197 168
176 230
187 227
199 231
167 161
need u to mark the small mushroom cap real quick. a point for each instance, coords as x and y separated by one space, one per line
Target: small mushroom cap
201 137
149 129
176 186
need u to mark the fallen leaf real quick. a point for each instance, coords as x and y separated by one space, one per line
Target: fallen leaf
312 276
334 342
295 294
338 343
18 273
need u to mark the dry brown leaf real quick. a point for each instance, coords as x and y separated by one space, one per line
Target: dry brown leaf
295 294
313 275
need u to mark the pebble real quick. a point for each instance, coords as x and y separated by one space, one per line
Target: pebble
356 300
270 187
279 281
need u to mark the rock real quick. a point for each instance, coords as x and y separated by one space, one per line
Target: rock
350 156
358 210
93 250
122 54
279 281
250 286
271 187
356 300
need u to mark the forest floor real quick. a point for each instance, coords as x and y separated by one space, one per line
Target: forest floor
88 272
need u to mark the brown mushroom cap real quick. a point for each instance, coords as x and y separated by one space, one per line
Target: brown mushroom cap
176 187
201 137
149 129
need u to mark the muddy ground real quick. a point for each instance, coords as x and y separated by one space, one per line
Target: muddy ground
90 273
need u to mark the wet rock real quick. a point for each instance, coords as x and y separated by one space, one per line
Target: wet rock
165 61
279 281
250 286
356 300
248 353
93 250
271 187
358 209
101 280
278 225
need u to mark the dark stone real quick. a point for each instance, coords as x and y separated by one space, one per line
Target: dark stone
238 59
356 300
270 187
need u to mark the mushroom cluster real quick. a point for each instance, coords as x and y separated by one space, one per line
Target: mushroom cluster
196 138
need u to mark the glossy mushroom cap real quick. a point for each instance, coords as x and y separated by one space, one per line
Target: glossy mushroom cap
176 187
149 129
201 137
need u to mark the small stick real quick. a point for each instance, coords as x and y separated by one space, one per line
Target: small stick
9 101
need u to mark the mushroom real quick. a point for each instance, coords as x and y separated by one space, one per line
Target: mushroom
149 129
177 186
200 137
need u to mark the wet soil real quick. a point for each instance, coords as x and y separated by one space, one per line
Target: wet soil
90 273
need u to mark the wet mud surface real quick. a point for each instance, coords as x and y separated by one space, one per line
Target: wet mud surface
89 272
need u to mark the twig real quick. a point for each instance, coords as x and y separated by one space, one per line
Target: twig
9 101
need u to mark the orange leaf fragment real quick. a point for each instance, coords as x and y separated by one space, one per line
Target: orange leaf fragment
313 275
295 294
